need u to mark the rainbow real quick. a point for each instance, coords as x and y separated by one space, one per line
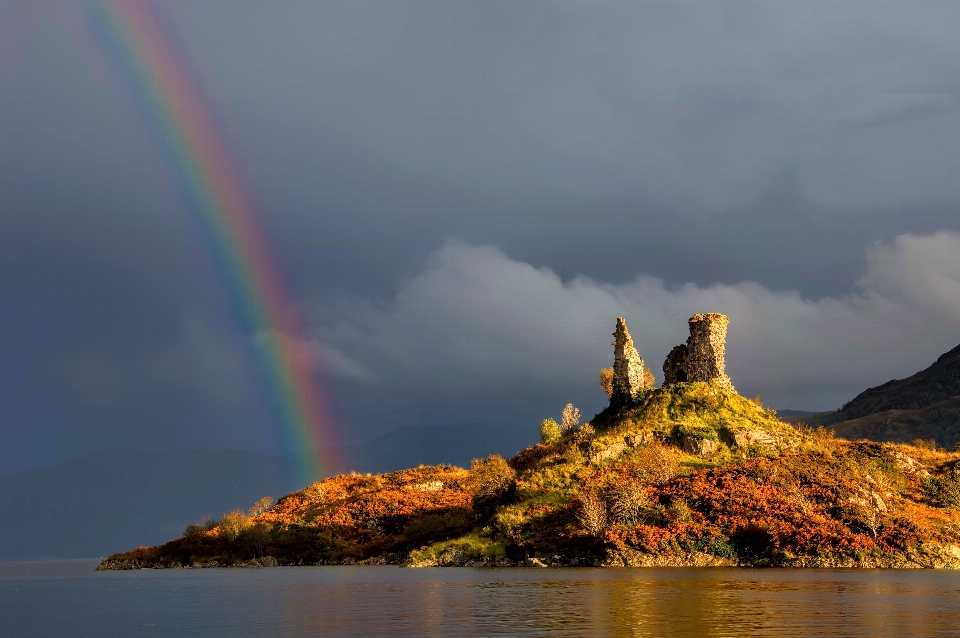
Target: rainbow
228 216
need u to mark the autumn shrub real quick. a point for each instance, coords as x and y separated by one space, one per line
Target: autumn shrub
574 455
549 431
820 438
508 521
491 482
592 513
944 490
233 524
606 381
194 532
628 501
648 379
656 462
570 418
678 511
584 433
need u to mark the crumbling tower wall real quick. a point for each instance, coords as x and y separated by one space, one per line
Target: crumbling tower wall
673 371
702 358
627 365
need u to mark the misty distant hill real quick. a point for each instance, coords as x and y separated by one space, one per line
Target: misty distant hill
923 406
98 504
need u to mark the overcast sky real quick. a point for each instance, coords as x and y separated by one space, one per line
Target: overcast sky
464 196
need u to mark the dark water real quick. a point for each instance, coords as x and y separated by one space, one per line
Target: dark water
67 598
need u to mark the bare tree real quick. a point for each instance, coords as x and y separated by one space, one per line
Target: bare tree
570 418
261 506
592 513
628 502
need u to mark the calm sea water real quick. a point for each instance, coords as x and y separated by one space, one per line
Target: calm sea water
67 598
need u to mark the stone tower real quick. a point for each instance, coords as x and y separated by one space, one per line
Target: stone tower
627 365
701 358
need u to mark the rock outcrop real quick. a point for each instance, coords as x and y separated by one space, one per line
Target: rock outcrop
627 366
702 357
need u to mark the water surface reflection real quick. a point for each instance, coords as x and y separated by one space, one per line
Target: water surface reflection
371 601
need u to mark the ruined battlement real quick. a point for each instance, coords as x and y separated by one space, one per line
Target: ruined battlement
702 357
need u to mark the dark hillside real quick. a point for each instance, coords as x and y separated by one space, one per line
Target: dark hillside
923 406
938 383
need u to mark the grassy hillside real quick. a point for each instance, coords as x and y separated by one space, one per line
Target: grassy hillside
691 474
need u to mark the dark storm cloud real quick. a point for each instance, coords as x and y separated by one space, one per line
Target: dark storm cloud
483 336
694 143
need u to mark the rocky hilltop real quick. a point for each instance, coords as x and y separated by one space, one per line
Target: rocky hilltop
691 473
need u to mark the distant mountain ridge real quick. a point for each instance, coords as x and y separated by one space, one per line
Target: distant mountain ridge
925 405
940 382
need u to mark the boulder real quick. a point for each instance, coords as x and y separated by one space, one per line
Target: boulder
698 446
611 452
747 438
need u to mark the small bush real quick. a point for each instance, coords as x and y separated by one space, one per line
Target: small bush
656 463
549 431
720 547
648 379
490 481
585 432
944 491
592 514
679 511
606 381
194 532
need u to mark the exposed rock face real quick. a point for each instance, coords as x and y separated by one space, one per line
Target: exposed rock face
627 365
701 358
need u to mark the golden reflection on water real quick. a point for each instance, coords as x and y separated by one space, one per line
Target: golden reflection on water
626 602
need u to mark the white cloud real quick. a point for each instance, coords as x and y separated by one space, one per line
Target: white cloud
476 324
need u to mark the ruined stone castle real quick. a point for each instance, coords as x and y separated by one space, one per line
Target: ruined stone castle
701 358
